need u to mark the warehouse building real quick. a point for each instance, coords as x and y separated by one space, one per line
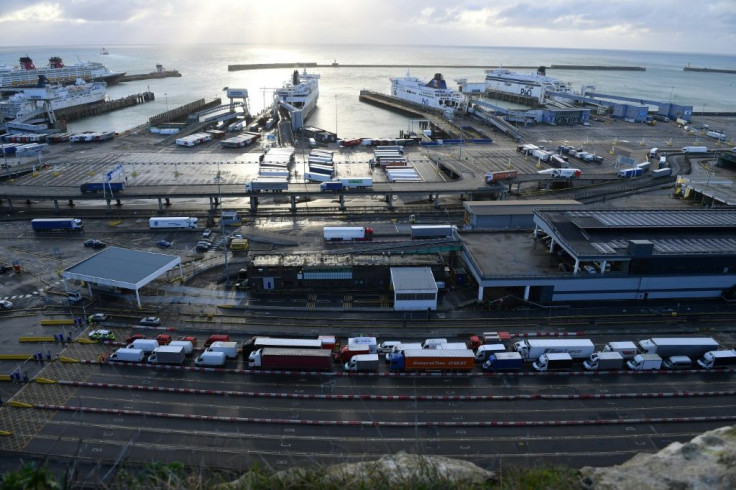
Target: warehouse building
415 288
508 215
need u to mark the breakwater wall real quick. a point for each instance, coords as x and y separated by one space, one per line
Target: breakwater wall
266 66
150 76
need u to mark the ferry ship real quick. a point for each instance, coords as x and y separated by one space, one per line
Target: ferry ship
27 75
299 97
36 101
434 94
532 85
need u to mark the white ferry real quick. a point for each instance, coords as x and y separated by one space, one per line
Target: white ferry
434 94
535 85
27 75
33 101
299 97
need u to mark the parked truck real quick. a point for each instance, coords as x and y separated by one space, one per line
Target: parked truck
718 359
331 186
354 182
554 361
127 355
347 233
628 173
716 135
645 362
693 347
267 184
370 342
167 354
504 361
433 360
484 352
255 343
349 351
294 359
100 187
185 222
531 349
500 176
695 149
626 348
57 224
362 362
601 361
433 231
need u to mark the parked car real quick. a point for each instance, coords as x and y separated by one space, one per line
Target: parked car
97 317
134 337
101 335
189 338
96 244
5 304
163 244
163 339
206 233
150 321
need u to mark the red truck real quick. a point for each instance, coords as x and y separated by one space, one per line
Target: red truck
475 341
501 176
434 360
293 359
350 350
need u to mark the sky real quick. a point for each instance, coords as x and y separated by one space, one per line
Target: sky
692 26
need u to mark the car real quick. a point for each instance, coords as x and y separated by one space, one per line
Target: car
88 243
150 321
206 233
5 304
163 339
97 317
189 338
96 244
132 338
163 244
101 335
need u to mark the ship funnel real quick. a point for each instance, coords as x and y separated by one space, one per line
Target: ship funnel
295 78
542 71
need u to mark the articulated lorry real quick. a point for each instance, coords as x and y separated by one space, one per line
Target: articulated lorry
100 187
433 231
693 347
54 224
532 349
626 348
186 222
718 359
167 354
347 233
433 360
292 359
265 184
256 343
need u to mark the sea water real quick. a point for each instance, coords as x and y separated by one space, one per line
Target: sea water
204 70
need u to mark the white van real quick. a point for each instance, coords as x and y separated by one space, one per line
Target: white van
433 343
146 345
127 355
312 143
188 347
229 348
208 358
653 152
677 362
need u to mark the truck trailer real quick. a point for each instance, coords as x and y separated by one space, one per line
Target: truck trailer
601 361
717 359
362 362
267 184
347 233
57 224
184 222
626 348
695 149
500 176
693 347
294 359
504 361
100 187
532 349
167 354
432 231
255 343
356 182
433 360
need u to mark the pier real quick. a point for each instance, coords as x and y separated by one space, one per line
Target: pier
708 70
150 76
79 112
267 66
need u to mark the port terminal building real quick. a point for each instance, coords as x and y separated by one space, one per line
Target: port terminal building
578 254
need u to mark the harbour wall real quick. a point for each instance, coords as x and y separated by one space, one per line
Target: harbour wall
73 113
266 66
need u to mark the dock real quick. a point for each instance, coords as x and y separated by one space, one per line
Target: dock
89 110
267 66
150 76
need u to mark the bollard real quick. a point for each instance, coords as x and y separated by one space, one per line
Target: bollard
48 355
25 377
68 337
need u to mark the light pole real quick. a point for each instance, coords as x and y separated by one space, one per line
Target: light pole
166 96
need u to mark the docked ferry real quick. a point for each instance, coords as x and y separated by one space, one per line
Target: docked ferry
27 74
35 101
537 85
299 96
434 93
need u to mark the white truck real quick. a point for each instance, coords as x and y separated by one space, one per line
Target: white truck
370 342
362 362
645 362
601 361
356 182
347 233
626 348
267 184
531 349
185 222
716 135
484 351
127 355
554 361
692 347
230 349
695 149
717 359
211 359
166 354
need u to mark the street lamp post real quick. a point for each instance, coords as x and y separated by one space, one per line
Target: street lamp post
166 97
